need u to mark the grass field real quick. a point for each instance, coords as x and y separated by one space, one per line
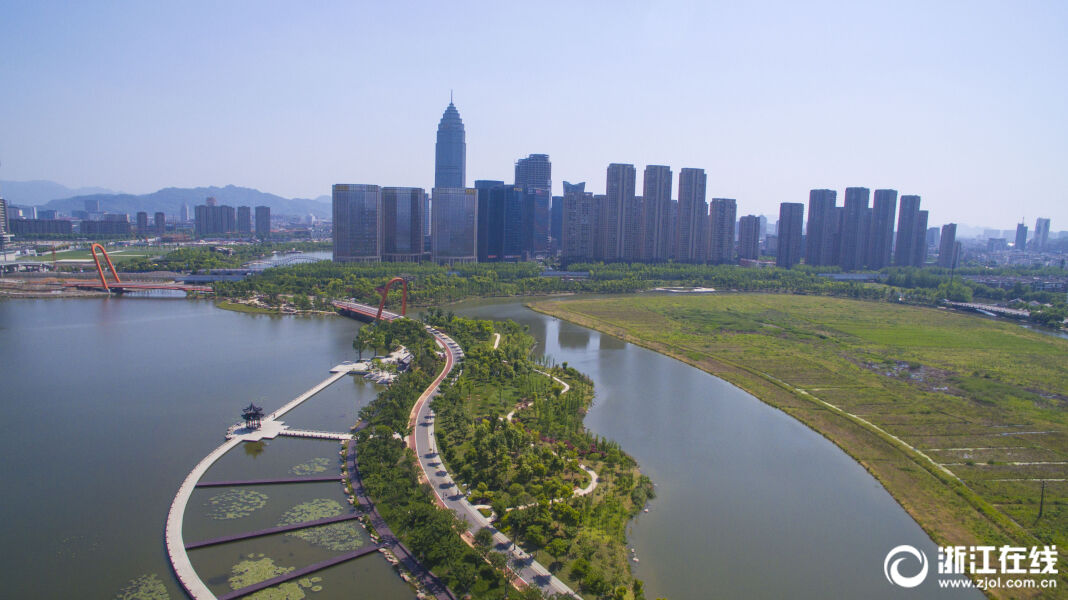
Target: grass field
961 418
117 255
245 308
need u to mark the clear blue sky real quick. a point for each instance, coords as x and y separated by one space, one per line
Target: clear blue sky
963 103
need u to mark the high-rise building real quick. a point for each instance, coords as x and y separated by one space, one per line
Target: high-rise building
837 219
556 222
426 217
881 238
160 221
357 222
920 245
105 227
185 213
214 219
142 222
673 219
620 215
507 223
450 152
47 214
1041 233
721 219
244 220
934 236
92 205
947 246
211 201
692 224
22 227
852 253
535 226
819 245
579 224
4 231
905 251
656 213
486 213
263 222
791 219
599 202
749 237
402 224
534 171
1021 237
455 225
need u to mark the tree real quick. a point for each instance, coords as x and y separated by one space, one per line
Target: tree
483 539
557 547
360 343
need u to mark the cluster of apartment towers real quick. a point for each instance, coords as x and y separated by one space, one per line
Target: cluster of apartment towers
495 221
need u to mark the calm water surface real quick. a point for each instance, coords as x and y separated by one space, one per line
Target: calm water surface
107 405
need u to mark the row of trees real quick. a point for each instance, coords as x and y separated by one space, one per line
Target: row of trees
527 468
390 474
434 284
203 258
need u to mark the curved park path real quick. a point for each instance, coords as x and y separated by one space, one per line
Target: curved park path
423 441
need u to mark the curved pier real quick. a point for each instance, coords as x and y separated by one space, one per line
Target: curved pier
176 548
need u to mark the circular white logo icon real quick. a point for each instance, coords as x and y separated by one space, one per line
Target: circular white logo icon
890 567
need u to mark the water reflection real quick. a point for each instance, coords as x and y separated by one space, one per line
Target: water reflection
608 342
572 338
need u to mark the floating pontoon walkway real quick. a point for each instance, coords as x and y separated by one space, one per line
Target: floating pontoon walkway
271 531
319 566
237 482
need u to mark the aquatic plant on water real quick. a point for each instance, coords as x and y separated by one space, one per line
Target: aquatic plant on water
145 587
235 504
258 567
315 465
254 449
338 536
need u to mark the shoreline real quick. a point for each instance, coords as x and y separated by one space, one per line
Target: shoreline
911 495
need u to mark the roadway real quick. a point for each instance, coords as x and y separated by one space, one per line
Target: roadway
424 443
530 571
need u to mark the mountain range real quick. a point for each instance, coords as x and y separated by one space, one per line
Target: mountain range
51 195
34 193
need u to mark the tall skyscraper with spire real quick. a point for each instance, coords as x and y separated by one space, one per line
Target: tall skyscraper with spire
450 152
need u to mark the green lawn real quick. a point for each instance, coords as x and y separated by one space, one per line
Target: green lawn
941 382
117 255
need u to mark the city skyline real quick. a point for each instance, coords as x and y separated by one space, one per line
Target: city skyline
964 105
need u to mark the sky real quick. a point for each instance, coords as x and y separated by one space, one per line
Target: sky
963 103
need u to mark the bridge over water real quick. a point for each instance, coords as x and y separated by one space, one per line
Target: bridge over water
118 286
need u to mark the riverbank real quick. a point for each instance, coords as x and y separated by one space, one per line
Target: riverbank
511 431
26 288
834 365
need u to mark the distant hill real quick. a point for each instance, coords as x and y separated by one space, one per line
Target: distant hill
33 193
170 200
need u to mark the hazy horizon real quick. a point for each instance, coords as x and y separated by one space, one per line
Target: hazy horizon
961 103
